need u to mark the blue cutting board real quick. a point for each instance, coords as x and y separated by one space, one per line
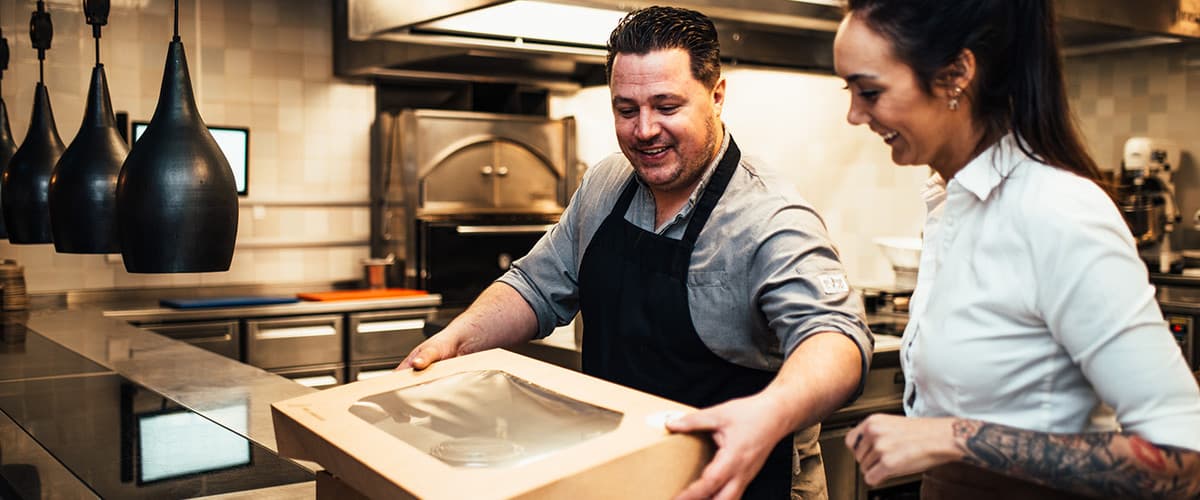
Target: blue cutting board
225 302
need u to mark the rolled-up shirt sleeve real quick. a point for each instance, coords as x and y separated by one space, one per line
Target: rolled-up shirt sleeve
801 286
547 277
1099 307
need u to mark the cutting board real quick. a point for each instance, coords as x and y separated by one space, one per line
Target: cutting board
385 293
225 302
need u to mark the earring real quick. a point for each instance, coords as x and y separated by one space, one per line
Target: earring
954 98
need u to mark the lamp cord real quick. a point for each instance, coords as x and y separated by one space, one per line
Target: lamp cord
41 32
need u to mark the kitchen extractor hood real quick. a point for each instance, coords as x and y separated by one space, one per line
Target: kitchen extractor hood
560 43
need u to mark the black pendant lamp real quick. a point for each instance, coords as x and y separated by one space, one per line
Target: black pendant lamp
83 189
25 188
7 146
177 207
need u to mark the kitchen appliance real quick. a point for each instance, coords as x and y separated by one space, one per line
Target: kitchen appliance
1146 195
1180 303
458 196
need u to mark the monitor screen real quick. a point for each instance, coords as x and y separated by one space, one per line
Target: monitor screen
234 142
177 443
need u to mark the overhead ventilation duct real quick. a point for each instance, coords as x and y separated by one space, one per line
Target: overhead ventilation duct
560 43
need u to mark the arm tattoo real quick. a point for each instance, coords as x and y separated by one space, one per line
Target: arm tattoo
1105 464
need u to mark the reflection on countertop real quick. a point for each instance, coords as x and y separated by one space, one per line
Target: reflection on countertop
63 373
124 441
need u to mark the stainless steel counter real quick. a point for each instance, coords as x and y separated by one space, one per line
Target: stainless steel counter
197 379
67 372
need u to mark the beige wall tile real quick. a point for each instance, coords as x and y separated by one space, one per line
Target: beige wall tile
248 62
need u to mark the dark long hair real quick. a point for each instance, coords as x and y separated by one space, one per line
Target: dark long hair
660 28
1020 85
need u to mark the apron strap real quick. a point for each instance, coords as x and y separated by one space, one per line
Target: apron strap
712 192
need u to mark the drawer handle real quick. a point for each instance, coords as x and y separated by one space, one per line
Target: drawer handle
391 326
366 375
209 338
317 381
513 229
296 332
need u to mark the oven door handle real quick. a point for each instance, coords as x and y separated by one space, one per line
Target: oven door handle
515 229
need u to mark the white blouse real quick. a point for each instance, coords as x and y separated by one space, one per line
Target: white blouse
1032 308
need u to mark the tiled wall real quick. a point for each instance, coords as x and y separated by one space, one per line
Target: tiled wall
1143 92
262 64
796 122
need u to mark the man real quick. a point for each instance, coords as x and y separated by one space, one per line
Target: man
700 277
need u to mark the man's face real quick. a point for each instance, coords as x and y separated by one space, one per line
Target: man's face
668 124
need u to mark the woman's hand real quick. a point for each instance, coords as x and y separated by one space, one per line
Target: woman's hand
888 446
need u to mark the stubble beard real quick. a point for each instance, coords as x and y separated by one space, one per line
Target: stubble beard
690 172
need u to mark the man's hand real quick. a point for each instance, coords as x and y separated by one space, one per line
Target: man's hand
745 430
888 446
432 350
498 318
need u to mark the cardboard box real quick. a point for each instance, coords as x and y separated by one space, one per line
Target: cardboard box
399 435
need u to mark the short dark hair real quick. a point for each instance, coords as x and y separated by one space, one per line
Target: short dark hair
1019 71
661 28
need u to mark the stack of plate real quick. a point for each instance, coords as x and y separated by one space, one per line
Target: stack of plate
12 278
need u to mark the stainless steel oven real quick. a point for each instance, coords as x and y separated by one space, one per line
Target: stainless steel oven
459 257
457 196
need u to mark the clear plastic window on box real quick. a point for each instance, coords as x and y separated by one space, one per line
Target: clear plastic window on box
485 418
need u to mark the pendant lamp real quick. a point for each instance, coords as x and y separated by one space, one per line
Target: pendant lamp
24 191
83 189
7 146
177 207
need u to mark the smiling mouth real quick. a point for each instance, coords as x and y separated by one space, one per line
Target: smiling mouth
652 151
890 137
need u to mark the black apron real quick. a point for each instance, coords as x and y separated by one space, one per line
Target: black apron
638 326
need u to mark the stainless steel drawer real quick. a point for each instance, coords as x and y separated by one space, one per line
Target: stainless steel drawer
364 371
221 337
295 341
383 335
317 377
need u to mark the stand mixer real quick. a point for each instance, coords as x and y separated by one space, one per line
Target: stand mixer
1147 200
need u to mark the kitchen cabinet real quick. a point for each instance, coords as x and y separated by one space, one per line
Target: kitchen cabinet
316 377
222 337
380 340
294 341
333 343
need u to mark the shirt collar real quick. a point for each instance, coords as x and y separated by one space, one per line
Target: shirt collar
987 170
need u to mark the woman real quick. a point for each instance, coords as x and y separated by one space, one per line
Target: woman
1032 307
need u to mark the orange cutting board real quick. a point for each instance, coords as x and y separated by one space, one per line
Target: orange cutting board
386 293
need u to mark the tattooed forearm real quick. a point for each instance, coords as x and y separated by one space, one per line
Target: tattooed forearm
1110 464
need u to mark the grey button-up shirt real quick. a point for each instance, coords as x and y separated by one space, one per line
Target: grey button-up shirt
763 276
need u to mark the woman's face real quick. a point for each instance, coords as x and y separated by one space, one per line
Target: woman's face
887 97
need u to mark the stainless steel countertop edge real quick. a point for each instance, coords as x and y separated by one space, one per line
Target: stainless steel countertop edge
298 308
